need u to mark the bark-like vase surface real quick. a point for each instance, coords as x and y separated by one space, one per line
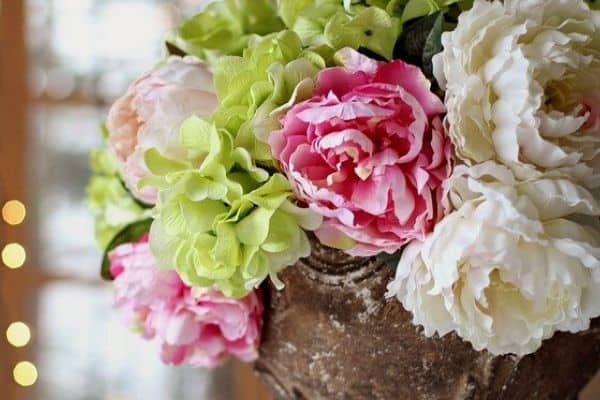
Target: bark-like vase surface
331 334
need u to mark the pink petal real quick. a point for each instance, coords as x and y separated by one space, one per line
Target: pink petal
354 61
330 236
343 111
173 355
347 136
339 81
413 81
372 195
403 198
181 329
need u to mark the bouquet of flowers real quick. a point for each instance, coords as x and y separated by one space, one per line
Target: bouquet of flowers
457 140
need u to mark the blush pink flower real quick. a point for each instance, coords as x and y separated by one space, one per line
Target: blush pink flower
198 328
150 113
368 152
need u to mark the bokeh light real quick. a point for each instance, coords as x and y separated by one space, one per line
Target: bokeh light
14 255
13 212
18 334
25 373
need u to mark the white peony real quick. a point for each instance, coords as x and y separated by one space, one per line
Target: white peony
522 82
150 113
506 269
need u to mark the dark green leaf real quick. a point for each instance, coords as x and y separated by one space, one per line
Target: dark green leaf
137 201
433 45
411 43
371 54
174 50
131 233
390 259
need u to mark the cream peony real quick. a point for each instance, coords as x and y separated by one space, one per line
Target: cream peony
150 113
522 86
506 269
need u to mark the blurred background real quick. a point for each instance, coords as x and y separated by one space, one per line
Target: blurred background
62 62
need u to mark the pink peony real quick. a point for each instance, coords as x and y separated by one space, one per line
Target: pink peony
150 113
199 328
368 152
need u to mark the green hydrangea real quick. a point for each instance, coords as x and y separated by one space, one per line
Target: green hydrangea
221 221
225 28
411 9
256 89
335 24
111 203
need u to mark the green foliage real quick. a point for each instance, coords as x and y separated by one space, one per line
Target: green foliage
424 23
391 260
332 24
420 41
129 234
225 28
228 27
221 220
256 89
224 217
109 200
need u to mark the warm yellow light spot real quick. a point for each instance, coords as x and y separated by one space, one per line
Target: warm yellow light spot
13 212
18 334
13 255
25 373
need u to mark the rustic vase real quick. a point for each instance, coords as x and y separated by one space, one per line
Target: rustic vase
331 334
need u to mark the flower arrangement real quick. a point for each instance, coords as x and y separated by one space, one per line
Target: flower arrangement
457 140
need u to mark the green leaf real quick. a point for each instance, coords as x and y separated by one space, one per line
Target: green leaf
371 54
130 234
411 43
173 50
137 201
391 259
433 45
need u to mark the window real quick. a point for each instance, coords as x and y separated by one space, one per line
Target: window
80 56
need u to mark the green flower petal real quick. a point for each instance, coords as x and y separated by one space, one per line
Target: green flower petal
159 165
253 229
111 203
255 89
224 222
371 27
198 188
337 24
227 247
225 28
